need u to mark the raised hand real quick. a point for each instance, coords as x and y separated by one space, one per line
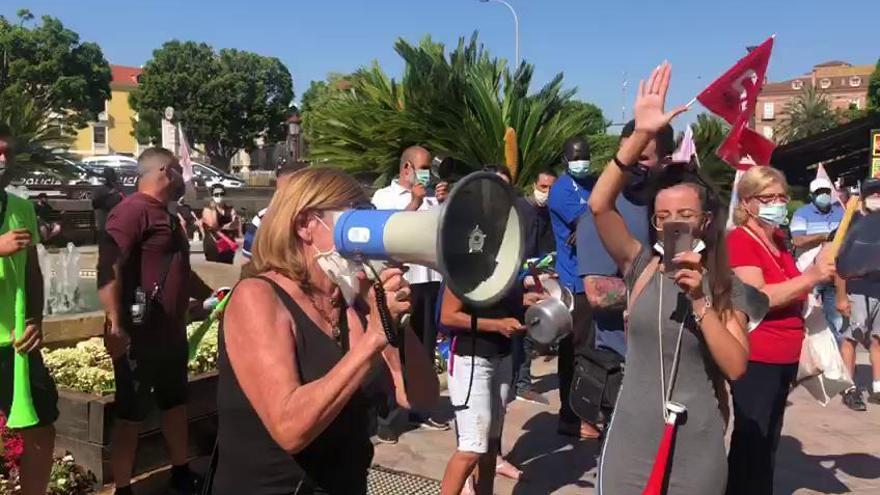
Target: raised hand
649 109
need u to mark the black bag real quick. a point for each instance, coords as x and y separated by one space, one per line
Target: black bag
595 386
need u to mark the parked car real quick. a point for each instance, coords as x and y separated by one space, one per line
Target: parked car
114 161
210 175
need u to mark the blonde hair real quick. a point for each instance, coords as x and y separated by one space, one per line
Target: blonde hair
277 246
755 180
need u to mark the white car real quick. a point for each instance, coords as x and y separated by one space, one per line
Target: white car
114 161
211 175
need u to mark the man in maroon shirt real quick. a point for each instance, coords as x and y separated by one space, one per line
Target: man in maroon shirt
145 283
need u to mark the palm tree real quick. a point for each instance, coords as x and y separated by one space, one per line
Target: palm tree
709 132
808 113
38 141
460 104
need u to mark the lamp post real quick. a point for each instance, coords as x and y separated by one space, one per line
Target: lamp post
515 23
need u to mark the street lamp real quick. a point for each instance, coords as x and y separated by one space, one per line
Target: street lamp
515 23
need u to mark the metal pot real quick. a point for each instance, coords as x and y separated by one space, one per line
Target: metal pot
557 291
549 321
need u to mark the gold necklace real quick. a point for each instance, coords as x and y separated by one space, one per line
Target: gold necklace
334 324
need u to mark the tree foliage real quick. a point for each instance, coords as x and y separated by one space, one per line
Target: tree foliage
58 73
225 100
874 90
709 132
807 114
459 104
38 141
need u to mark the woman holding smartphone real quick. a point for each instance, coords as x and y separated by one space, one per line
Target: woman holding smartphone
684 331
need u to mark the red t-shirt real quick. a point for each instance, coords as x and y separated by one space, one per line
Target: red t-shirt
779 337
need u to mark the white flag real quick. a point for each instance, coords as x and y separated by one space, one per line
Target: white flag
184 154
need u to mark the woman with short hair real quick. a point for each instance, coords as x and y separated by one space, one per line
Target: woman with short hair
221 225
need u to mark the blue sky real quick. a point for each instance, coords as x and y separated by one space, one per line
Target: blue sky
594 43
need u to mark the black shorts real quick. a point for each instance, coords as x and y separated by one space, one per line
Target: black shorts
146 371
43 391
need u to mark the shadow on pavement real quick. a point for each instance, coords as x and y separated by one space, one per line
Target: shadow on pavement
798 470
550 461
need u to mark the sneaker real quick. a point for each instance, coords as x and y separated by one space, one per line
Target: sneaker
428 424
529 395
385 434
852 399
874 398
189 484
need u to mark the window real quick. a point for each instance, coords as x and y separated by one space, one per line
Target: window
825 83
855 81
99 138
768 132
855 104
797 84
769 111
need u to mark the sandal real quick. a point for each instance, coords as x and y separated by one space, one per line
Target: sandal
508 470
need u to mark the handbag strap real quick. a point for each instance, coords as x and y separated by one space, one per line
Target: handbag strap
166 262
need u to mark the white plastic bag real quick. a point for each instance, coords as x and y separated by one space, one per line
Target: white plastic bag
821 370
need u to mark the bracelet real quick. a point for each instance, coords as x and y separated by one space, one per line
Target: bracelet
620 164
699 318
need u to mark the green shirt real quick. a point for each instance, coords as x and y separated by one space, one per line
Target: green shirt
19 213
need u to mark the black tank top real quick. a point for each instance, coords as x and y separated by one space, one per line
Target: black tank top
251 462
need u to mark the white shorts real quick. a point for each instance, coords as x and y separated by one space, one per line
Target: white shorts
482 419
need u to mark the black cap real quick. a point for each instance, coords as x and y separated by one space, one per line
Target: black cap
665 138
576 148
870 186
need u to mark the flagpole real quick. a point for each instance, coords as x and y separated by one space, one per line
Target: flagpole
690 103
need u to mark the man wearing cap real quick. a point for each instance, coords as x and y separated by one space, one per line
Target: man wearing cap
810 227
859 301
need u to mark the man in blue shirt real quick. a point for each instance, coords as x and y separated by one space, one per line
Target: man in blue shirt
604 348
810 227
567 202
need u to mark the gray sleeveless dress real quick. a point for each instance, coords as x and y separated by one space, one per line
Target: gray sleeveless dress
698 462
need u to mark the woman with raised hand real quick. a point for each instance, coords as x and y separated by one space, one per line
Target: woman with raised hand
299 344
685 333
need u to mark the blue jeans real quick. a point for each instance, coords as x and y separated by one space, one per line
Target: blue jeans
522 347
829 306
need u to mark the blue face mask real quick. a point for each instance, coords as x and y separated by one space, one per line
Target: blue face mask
822 201
774 214
579 168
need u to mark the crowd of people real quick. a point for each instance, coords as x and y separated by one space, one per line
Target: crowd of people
305 366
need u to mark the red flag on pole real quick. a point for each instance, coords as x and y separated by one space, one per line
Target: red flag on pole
733 97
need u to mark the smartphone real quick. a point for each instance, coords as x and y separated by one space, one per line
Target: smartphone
677 238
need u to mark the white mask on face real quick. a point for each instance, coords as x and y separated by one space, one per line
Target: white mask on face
699 246
872 203
541 197
340 270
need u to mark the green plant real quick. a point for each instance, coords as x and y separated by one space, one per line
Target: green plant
39 140
49 64
459 104
808 113
874 90
224 99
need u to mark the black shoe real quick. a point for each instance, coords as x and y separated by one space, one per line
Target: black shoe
187 484
874 398
385 434
852 399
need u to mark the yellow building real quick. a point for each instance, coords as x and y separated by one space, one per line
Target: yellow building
113 132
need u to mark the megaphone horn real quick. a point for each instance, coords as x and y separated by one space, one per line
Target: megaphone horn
475 239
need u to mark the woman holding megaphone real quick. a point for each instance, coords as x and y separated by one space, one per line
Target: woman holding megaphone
300 344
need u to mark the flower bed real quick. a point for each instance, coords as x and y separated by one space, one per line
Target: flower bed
86 403
87 368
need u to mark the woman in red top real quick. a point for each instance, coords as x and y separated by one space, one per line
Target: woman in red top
758 257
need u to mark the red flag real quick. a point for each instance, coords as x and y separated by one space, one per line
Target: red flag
733 97
743 143
736 92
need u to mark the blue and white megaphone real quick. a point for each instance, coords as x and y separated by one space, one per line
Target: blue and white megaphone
475 238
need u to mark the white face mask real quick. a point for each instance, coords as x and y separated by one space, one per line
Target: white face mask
541 197
872 203
699 246
219 199
341 271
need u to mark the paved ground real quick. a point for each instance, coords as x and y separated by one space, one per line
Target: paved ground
823 450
